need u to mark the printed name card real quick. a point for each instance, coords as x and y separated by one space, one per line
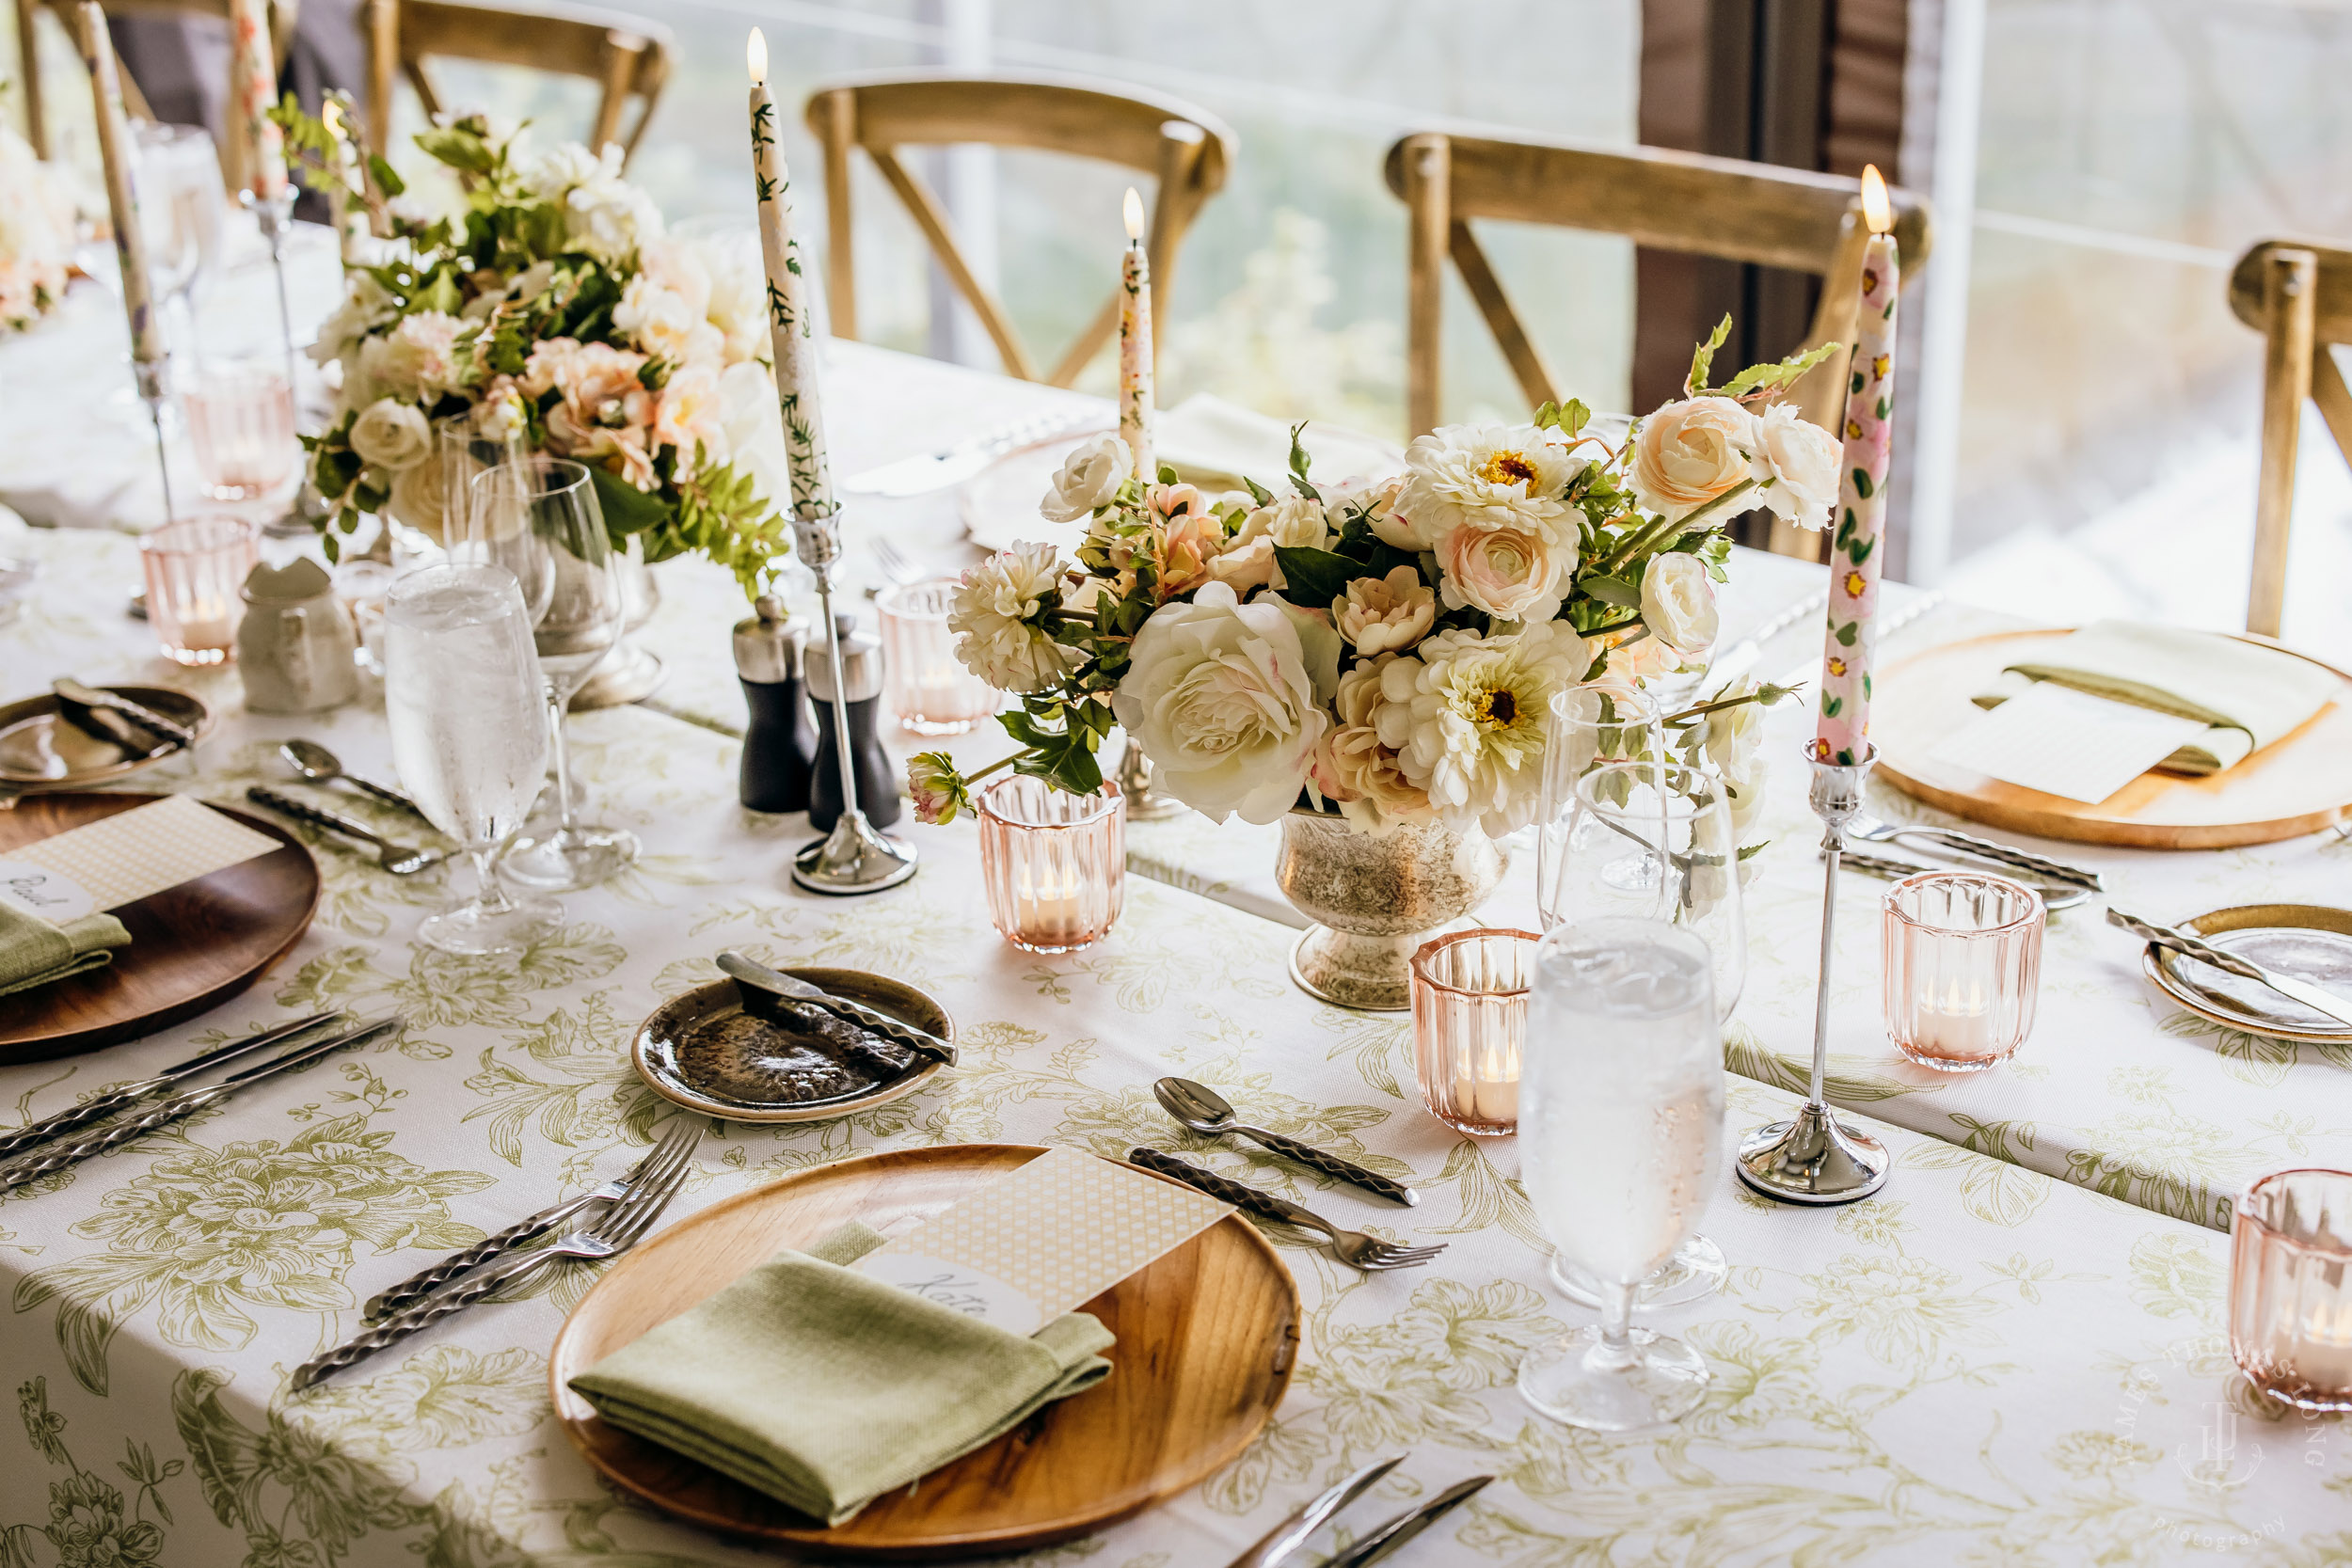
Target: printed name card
1040 1241
123 858
2066 742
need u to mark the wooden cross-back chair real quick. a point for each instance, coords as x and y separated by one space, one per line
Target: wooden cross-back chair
2298 297
1186 149
232 143
1678 201
627 57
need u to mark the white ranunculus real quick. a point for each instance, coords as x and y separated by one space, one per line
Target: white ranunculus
1486 477
993 620
1220 695
1512 573
1678 604
739 297
1733 733
1464 715
1087 477
391 435
1385 614
1803 462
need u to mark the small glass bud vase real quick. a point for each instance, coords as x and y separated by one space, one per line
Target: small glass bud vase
1470 1015
1055 864
1962 968
2291 1287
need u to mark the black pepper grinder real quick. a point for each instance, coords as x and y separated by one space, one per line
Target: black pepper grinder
861 686
780 742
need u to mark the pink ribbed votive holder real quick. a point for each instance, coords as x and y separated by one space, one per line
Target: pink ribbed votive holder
1469 1015
2291 1287
1055 864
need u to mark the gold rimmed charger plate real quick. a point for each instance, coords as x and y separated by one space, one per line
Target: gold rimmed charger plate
1207 1336
734 1083
40 750
2311 942
2297 784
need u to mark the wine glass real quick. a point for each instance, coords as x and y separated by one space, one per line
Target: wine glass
552 501
1606 850
1621 1134
461 694
495 536
181 203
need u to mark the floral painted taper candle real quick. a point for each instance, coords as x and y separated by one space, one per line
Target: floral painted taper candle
788 327
115 152
1842 735
257 93
1135 344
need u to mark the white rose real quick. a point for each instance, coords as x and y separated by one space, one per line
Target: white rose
391 435
1678 604
1733 733
996 636
421 498
1292 523
1689 453
1217 693
1804 463
1087 477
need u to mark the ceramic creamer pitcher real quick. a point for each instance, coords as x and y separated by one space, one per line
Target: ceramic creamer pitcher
297 640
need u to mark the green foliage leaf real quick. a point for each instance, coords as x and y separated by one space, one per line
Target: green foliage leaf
1776 377
1703 358
1314 577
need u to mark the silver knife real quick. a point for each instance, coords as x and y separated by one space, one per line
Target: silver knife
744 971
1405 1526
1292 1533
138 713
2052 897
2317 998
99 1107
32 1167
952 465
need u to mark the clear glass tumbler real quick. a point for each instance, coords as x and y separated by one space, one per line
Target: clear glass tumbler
241 423
1962 968
1470 1014
194 568
2291 1287
929 688
1055 863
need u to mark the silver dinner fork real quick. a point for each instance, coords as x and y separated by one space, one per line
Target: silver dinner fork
894 563
609 1234
1353 1248
686 1132
1876 831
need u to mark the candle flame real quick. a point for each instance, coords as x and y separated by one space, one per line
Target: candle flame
755 54
1133 211
1877 211
332 117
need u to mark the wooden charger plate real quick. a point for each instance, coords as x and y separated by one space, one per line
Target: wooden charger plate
1207 1335
192 947
2297 784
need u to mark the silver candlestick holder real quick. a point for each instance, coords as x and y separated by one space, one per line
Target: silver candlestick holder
156 393
855 857
1144 803
276 216
1814 1158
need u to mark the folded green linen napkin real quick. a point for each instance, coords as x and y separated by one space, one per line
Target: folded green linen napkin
825 1389
34 952
2251 695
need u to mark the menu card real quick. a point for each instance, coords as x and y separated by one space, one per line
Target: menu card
1040 1241
2065 742
122 859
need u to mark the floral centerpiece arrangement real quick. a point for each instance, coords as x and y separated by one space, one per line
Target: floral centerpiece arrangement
1387 651
36 235
553 309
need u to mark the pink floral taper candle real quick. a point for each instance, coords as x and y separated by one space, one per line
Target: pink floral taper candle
788 329
1842 735
114 153
1135 344
257 92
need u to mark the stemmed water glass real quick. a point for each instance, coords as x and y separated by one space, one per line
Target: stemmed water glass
553 503
181 210
1621 1118
461 694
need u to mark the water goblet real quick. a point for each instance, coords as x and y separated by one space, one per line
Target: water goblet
1621 1133
462 698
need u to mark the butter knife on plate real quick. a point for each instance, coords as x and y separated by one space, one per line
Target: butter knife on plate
745 971
67 688
2318 998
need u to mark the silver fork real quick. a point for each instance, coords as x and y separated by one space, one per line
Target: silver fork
398 859
491 1249
611 1233
1353 1248
894 562
1877 830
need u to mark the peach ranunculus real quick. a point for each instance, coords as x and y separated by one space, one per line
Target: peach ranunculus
1385 614
1188 552
605 415
688 416
1512 573
1691 451
1353 768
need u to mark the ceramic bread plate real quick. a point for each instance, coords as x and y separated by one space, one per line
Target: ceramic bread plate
2310 941
1208 1334
705 1051
39 750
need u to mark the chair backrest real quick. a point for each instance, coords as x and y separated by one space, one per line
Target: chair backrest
627 57
2299 295
1188 150
1667 200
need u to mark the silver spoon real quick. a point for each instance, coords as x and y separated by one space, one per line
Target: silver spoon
1204 1111
319 765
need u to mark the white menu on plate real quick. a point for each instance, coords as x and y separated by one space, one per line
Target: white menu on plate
2066 742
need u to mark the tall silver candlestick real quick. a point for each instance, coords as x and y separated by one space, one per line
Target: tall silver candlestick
1814 1158
854 857
1144 803
276 216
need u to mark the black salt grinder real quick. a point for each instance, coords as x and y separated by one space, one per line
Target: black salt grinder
780 742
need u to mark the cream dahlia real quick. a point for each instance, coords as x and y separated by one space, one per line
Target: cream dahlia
995 615
1488 477
1465 715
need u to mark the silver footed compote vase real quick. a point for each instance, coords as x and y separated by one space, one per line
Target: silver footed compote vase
1375 898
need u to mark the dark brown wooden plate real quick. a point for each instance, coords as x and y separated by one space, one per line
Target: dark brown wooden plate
192 947
1207 1336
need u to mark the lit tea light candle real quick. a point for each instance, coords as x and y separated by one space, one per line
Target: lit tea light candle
1957 1023
1050 906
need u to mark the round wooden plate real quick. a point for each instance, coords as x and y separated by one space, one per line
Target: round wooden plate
734 1086
192 947
2295 785
1207 1335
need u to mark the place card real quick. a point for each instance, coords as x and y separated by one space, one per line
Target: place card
1040 1241
2069 743
122 859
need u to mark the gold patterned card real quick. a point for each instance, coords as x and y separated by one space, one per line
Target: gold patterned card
122 859
1040 1241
